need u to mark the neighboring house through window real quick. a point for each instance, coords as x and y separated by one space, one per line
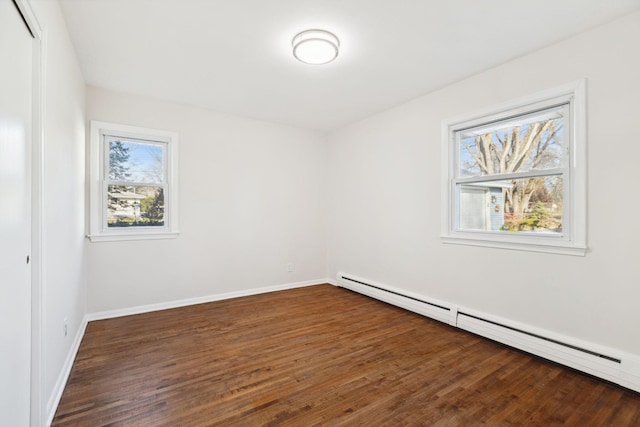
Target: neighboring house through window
515 175
133 183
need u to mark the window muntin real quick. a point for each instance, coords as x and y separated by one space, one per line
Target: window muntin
528 154
477 179
133 183
530 142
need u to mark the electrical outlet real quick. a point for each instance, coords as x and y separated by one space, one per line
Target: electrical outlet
289 267
65 326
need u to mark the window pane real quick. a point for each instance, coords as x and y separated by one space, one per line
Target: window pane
136 161
522 144
129 206
519 205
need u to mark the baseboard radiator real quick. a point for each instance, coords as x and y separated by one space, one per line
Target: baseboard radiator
617 367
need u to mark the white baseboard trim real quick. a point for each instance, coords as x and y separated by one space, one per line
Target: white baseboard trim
199 300
607 363
61 382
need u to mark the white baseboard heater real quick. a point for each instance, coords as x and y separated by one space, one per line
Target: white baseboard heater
609 364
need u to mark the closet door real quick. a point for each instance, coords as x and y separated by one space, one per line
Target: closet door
16 84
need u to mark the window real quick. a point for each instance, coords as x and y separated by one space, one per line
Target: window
133 183
515 175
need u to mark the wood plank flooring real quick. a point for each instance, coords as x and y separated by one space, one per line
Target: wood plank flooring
319 356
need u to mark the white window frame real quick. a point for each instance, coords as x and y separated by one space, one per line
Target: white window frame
572 240
98 229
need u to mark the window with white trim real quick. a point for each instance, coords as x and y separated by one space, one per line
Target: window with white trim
515 175
133 191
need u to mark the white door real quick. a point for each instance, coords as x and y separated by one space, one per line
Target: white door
16 46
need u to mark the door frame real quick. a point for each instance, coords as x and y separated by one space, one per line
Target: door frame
38 367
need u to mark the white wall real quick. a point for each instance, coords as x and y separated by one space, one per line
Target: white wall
251 200
384 198
63 279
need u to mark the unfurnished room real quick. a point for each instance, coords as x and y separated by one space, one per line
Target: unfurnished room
309 213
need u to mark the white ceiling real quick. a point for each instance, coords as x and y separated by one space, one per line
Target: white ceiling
234 56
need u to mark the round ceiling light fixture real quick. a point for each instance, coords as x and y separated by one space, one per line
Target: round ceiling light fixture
315 47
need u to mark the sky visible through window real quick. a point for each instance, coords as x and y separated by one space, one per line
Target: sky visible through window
140 162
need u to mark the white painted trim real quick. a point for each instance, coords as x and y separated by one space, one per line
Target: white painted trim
38 353
333 282
519 245
96 232
579 166
199 300
626 373
575 243
38 326
39 393
140 235
58 388
30 18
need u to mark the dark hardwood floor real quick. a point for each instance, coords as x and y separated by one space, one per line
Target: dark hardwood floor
319 356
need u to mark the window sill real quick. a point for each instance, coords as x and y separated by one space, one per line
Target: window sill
559 247
115 237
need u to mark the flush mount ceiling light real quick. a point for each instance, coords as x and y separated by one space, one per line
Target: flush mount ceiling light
315 47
